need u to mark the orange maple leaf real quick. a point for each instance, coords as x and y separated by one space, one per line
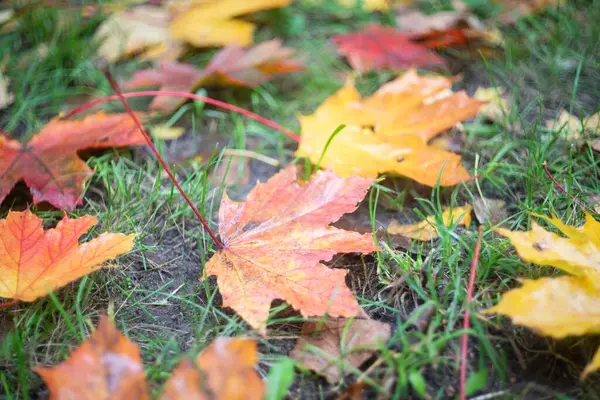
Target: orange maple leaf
49 163
107 366
275 239
34 262
228 366
232 66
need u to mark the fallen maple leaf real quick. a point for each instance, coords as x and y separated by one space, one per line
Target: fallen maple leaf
428 229
389 131
34 262
413 21
335 347
107 366
226 369
576 129
514 9
143 29
562 306
159 32
379 47
497 107
232 66
210 23
275 239
49 163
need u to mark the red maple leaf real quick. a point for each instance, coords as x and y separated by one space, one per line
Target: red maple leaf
49 163
379 47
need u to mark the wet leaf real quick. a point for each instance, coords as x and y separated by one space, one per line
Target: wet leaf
274 242
106 366
428 229
378 47
390 130
335 347
34 262
49 163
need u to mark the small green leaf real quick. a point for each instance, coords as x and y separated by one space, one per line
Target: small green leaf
418 383
477 381
280 378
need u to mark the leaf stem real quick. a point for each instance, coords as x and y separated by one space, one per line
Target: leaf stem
9 303
464 345
562 189
162 162
218 103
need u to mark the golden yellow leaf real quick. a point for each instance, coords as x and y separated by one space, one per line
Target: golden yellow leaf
210 23
563 306
592 366
557 307
167 132
389 131
577 254
427 229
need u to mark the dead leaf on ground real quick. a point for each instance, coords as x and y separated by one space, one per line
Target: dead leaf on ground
225 370
515 9
575 129
379 47
106 366
497 107
109 366
275 240
428 229
411 20
232 170
232 66
49 163
562 306
143 29
347 344
491 210
160 32
212 23
164 132
445 28
34 262
390 130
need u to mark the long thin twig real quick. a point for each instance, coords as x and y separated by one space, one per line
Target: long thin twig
160 159
467 321
562 189
218 103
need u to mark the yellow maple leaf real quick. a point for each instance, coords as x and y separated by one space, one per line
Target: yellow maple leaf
577 254
427 229
159 32
389 131
562 306
211 23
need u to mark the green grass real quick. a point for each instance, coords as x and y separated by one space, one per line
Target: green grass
550 62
